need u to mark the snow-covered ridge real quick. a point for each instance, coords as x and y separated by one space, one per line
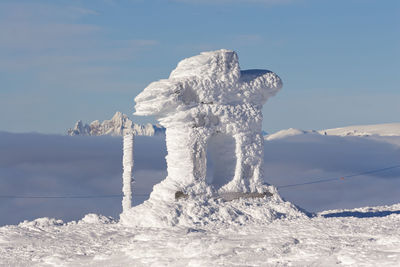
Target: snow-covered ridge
115 127
386 129
288 132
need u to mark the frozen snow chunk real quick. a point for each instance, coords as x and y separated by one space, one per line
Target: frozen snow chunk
216 65
209 78
41 223
93 218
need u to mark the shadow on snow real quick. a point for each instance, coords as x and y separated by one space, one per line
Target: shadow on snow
359 214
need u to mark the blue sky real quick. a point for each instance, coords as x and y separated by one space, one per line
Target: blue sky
61 61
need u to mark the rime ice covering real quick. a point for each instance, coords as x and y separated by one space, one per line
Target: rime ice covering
128 168
208 98
209 104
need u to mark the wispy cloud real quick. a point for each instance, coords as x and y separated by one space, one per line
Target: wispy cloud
248 39
220 2
39 12
51 43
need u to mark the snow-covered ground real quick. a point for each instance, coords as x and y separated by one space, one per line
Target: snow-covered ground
361 237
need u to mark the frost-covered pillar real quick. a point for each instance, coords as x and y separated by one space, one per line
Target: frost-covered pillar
127 176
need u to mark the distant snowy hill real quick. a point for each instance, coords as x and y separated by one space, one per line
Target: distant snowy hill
286 133
115 127
387 129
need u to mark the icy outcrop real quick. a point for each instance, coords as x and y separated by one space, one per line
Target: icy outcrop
115 127
209 106
92 218
208 97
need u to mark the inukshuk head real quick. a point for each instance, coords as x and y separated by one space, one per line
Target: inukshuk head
209 78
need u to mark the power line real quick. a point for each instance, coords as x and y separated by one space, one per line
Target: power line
341 178
99 196
120 195
69 197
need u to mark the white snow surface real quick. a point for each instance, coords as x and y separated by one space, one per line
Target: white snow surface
203 210
114 127
367 236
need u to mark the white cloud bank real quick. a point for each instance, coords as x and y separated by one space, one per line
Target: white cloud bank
49 165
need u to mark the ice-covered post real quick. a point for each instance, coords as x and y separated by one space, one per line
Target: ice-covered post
127 177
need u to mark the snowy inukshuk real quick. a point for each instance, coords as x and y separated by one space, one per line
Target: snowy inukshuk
208 97
127 176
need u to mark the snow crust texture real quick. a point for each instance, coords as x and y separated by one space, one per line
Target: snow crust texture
215 211
368 236
118 124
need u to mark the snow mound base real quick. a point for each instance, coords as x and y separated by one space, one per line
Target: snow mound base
41 223
93 218
212 211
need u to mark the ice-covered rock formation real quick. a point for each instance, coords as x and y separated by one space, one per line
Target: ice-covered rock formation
115 127
208 100
209 106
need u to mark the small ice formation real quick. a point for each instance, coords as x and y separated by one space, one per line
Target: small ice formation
209 105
